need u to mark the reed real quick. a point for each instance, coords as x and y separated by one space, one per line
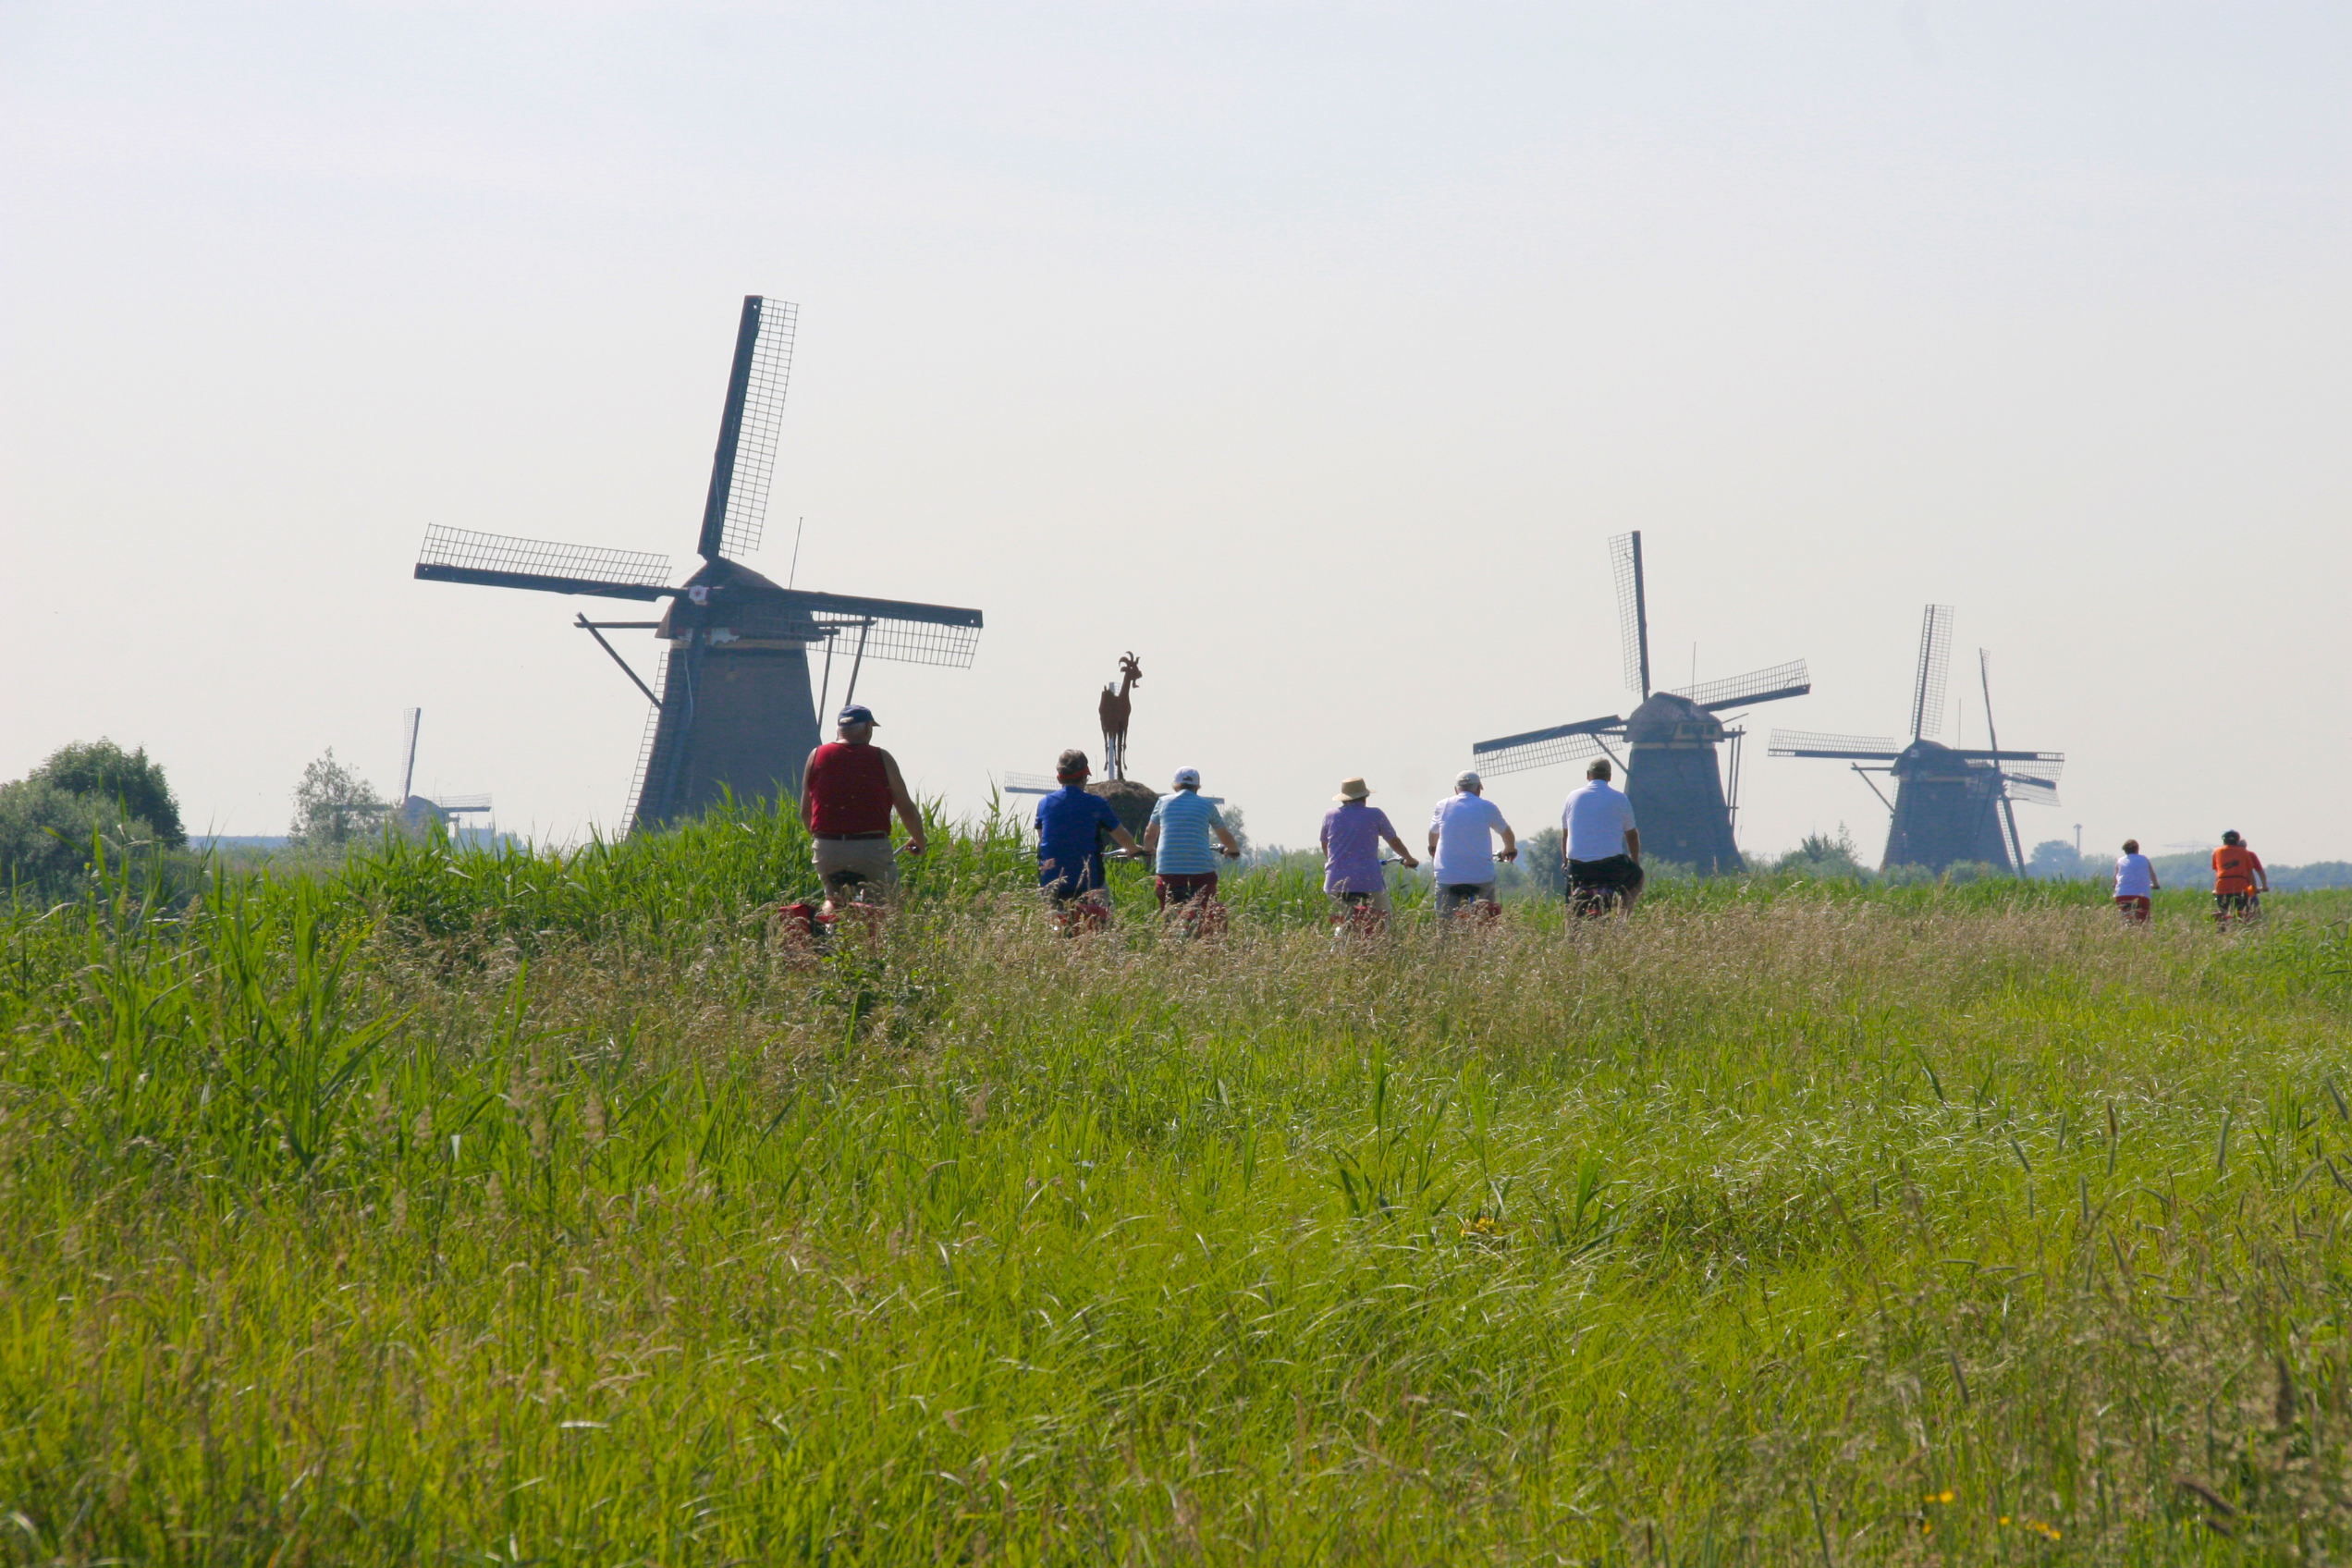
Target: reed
506 1206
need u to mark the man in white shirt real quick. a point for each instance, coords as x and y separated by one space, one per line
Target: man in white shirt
1462 832
2135 883
1601 845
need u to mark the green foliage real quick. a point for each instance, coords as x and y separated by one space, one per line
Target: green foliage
1825 859
1541 863
50 836
332 805
2057 858
131 784
440 1202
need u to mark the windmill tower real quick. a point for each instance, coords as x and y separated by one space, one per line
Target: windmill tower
416 810
736 710
1951 804
1670 767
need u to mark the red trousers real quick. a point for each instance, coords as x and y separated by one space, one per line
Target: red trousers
2133 907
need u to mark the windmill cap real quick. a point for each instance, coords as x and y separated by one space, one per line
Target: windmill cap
856 713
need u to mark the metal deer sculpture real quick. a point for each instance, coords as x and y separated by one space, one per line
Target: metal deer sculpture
1115 707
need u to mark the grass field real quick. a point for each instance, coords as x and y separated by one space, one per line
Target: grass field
501 1209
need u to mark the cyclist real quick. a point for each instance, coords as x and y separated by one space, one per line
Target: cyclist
1184 863
848 791
1069 827
2238 879
1601 845
1353 833
2135 883
1462 830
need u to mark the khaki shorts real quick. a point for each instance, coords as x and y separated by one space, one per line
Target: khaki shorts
1448 900
870 858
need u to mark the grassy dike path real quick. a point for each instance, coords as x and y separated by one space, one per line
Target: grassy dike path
458 1207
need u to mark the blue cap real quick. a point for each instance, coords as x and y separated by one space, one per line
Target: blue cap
856 713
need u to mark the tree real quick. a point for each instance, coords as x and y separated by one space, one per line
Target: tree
46 834
1539 861
332 803
1232 816
1820 856
126 782
2055 859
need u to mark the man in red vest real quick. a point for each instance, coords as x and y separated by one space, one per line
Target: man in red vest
848 793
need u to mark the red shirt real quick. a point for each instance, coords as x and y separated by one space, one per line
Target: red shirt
849 789
2233 869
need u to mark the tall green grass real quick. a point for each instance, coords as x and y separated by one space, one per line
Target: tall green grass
514 1206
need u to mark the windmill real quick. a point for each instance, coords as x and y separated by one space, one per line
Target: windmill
735 710
1672 775
416 810
1949 803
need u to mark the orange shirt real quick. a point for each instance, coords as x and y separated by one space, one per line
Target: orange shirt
2233 869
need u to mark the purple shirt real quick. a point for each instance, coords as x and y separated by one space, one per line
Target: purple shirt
1352 836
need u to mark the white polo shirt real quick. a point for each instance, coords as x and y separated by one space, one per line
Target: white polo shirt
1595 820
1465 825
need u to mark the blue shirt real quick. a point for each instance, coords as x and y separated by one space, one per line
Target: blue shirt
1183 820
1069 823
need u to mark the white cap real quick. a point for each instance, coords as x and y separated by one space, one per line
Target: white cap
1188 775
1468 780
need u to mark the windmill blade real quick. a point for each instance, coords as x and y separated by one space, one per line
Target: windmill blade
1757 686
2043 766
1807 744
1633 609
894 628
1029 784
1935 663
411 721
497 560
1541 748
446 803
736 509
2029 792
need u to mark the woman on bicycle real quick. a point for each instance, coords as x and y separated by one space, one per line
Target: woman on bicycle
1353 833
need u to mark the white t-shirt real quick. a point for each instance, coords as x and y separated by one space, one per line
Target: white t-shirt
1595 820
2135 878
1466 825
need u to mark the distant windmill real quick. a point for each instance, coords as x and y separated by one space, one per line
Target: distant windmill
1949 803
418 809
736 710
1680 801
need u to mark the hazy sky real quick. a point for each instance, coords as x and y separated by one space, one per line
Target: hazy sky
1312 352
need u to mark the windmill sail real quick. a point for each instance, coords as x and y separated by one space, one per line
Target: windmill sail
498 560
1859 748
1633 609
1541 748
894 628
2029 791
736 509
1757 686
1935 663
411 721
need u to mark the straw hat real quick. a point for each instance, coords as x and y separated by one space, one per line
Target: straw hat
1353 790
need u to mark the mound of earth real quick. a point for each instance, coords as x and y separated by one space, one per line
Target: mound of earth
1132 801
